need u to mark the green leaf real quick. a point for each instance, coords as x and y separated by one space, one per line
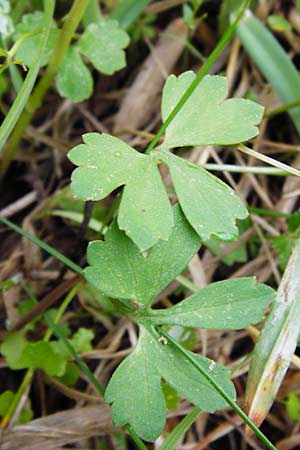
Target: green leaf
107 163
279 23
21 354
230 304
134 277
42 355
209 205
6 23
74 80
29 47
6 398
12 347
103 45
292 405
82 340
71 374
205 118
284 245
239 254
135 390
171 396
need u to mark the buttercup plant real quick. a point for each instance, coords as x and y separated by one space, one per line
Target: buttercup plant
150 243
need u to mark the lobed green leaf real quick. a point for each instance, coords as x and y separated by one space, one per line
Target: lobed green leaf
209 205
135 277
21 354
106 163
135 391
103 45
206 118
136 394
224 305
34 23
74 80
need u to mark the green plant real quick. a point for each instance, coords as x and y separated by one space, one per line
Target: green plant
150 243
73 78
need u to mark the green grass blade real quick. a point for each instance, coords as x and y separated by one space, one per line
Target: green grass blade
127 11
92 13
223 394
272 61
178 432
277 343
56 254
27 86
202 72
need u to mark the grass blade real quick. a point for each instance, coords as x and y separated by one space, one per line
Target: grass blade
56 254
277 343
178 432
127 11
26 88
272 61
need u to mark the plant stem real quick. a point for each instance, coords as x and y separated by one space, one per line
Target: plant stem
202 72
268 160
56 254
282 109
36 99
219 389
245 169
17 109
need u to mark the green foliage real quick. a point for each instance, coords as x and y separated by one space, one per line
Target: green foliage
229 304
150 243
74 80
185 336
103 45
82 339
219 122
32 26
6 23
6 398
135 277
135 389
292 404
278 23
210 206
239 254
284 243
51 357
171 396
145 213
71 375
21 354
